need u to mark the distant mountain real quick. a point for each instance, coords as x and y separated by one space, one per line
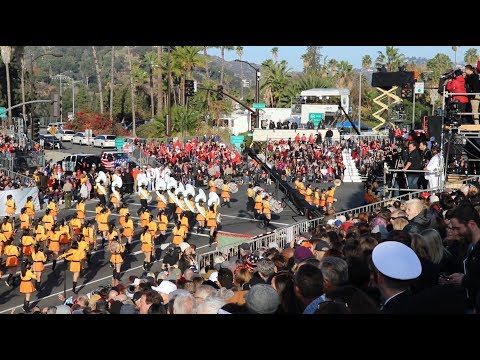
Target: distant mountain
235 67
416 60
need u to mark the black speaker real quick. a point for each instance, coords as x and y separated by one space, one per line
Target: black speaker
386 80
434 127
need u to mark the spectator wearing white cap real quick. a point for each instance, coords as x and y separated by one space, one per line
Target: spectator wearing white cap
396 265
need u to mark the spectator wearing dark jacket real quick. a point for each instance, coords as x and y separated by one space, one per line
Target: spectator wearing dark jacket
418 217
472 84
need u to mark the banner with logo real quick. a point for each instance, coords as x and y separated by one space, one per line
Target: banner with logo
20 197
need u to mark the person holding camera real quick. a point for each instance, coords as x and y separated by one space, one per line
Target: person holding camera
472 83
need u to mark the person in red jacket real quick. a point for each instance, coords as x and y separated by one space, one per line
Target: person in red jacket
457 85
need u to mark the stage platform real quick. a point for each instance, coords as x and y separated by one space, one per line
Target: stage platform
262 135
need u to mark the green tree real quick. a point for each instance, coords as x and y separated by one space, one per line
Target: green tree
344 74
304 82
275 78
186 58
392 58
150 62
312 59
439 65
222 49
471 57
6 52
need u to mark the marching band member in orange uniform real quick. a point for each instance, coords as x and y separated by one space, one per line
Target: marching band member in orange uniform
266 211
26 285
74 255
12 252
48 220
200 218
316 197
212 223
128 229
211 185
75 226
27 243
112 232
103 223
65 238
40 234
145 218
3 242
178 233
147 248
88 231
225 195
258 205
11 207
53 240
52 205
308 194
7 227
30 208
81 210
162 225
184 224
24 219
39 259
116 259
122 212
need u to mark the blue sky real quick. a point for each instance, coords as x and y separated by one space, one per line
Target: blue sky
352 54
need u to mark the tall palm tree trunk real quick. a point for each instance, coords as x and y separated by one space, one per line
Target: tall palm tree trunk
9 96
99 79
132 90
223 64
159 81
241 74
22 84
152 98
112 80
207 75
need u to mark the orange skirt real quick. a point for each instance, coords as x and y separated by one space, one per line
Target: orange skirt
11 261
143 223
80 214
38 266
211 223
200 217
258 206
27 250
26 287
147 247
24 225
177 239
114 200
121 221
54 246
64 239
103 227
178 210
116 259
75 266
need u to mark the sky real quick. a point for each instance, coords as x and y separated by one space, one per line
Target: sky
352 54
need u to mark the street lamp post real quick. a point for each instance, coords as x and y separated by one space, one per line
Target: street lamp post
257 89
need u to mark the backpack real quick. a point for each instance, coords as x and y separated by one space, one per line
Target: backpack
172 253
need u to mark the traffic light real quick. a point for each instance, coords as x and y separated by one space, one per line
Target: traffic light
56 105
189 88
253 121
36 130
219 92
407 91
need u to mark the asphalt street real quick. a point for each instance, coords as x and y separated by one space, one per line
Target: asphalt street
235 219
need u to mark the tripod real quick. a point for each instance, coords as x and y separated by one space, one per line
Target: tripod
402 180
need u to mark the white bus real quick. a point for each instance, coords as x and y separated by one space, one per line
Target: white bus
321 106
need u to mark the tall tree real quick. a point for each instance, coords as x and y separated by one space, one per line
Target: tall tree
392 58
132 90
159 80
439 65
151 62
471 57
205 54
366 62
239 51
276 76
112 80
6 52
98 70
312 59
186 58
222 49
275 53
455 49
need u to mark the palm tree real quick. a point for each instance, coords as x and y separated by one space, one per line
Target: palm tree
19 50
344 74
132 90
239 51
98 70
150 60
6 58
186 59
112 80
455 49
392 58
276 77
471 56
159 80
223 48
366 62
275 53
305 82
332 67
205 54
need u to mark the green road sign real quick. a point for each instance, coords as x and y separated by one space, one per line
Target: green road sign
3 113
237 141
259 105
119 142
316 118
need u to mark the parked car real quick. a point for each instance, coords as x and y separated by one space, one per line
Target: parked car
80 139
76 162
104 141
65 135
50 142
137 124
